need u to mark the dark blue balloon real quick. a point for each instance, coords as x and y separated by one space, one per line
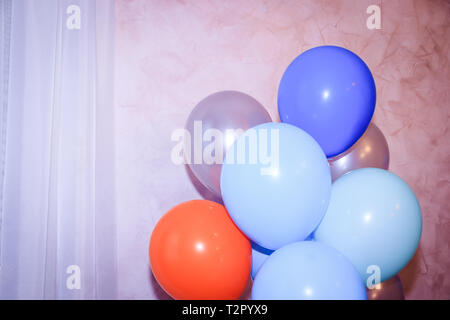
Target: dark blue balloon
259 255
330 93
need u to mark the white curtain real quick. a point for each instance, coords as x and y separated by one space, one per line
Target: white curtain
57 227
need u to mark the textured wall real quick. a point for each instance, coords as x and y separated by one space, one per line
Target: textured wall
171 54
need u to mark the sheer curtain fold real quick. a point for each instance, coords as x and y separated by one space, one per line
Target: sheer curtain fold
57 209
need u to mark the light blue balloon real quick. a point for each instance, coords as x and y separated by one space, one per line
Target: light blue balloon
276 184
374 219
308 270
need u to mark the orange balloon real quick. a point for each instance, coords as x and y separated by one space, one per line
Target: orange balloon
197 252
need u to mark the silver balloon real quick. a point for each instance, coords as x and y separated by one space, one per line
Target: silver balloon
391 289
212 125
371 150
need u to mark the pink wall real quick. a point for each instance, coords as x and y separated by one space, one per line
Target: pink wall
171 54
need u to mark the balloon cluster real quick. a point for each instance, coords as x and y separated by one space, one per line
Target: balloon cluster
309 208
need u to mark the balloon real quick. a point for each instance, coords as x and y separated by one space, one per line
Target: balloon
374 219
391 289
196 252
308 270
330 93
259 255
222 112
371 150
276 184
